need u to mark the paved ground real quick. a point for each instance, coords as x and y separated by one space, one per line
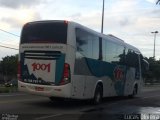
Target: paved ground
27 107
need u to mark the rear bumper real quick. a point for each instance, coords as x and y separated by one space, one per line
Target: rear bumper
63 91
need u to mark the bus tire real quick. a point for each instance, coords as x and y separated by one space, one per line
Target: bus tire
98 95
134 93
56 99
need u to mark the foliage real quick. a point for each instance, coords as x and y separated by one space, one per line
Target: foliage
7 89
153 75
8 66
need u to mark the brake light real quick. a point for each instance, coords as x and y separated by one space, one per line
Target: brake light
66 22
26 25
66 74
19 71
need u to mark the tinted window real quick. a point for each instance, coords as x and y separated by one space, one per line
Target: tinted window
95 50
55 32
120 53
112 52
87 47
132 59
87 44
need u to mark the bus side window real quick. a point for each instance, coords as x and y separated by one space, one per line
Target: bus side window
87 44
83 44
120 55
132 60
113 53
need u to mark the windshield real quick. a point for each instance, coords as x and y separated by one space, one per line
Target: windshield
44 32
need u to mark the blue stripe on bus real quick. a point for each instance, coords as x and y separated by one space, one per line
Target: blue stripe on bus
101 68
59 69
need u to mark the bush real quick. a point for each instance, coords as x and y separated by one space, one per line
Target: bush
7 89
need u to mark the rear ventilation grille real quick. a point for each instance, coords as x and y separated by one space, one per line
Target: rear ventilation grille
48 55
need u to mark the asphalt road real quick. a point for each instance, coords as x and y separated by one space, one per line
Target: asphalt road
21 106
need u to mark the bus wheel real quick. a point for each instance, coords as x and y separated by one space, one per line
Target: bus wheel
134 93
98 95
55 99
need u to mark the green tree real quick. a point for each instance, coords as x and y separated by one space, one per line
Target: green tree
9 66
153 75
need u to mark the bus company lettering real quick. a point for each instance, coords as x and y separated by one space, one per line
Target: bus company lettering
118 73
43 47
43 67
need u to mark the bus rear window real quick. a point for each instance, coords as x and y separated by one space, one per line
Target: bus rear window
44 32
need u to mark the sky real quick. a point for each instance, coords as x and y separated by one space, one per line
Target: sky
131 20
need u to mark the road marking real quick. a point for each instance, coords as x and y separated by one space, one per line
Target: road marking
23 100
11 95
150 97
50 116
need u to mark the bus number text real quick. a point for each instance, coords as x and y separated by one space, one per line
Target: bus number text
43 67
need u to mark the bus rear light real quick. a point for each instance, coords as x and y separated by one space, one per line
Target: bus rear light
26 25
66 22
66 74
19 71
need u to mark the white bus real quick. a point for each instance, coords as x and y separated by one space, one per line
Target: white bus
63 59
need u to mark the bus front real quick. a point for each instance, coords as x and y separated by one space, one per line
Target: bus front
42 67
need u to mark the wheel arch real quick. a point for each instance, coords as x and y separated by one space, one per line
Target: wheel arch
136 86
99 82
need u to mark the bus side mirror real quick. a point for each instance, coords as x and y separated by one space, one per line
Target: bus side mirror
145 65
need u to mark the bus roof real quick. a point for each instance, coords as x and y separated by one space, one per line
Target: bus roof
109 37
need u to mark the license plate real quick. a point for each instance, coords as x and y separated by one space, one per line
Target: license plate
39 88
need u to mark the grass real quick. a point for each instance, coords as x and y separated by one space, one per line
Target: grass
4 89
